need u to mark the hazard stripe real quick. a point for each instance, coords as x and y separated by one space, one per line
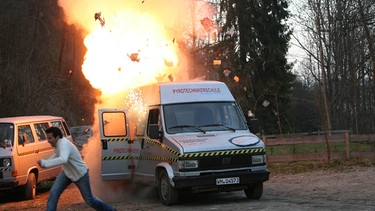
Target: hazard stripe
206 154
2 169
178 154
221 153
117 158
157 143
117 139
139 158
158 158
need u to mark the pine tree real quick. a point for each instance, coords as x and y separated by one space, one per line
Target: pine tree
265 77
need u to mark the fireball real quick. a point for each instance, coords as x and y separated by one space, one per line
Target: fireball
129 51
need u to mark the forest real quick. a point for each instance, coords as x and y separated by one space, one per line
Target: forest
328 85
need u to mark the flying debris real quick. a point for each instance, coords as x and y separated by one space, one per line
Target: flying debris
168 63
97 17
226 72
160 78
170 77
207 24
134 57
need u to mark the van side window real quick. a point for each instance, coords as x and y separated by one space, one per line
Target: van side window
153 120
59 125
25 134
114 124
40 131
66 128
153 117
6 134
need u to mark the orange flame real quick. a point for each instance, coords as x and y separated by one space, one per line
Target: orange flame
134 51
133 45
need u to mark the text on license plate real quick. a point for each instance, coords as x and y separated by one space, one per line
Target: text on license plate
227 181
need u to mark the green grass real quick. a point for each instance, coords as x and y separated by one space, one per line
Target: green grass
310 166
319 148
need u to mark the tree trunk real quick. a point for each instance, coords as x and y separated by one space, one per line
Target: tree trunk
328 133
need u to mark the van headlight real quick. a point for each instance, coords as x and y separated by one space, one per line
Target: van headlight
6 162
188 164
257 159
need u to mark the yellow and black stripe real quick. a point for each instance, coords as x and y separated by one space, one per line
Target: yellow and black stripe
221 153
118 139
178 154
158 158
2 169
117 158
157 143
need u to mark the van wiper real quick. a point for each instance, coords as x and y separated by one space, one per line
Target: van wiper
219 125
185 126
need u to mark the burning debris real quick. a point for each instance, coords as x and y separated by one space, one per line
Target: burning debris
134 57
170 77
207 24
161 78
168 63
97 17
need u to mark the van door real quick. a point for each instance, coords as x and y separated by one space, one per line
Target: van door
27 150
117 159
45 151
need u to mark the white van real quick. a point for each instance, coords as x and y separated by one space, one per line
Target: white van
193 137
23 142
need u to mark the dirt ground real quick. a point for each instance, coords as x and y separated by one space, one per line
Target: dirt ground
353 189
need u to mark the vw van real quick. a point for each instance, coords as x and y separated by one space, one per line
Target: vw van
23 142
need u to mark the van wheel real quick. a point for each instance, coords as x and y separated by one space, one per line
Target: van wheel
30 187
167 193
254 191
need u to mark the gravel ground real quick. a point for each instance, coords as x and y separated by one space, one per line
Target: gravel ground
353 189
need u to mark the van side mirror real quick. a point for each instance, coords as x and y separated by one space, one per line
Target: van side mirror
154 133
253 125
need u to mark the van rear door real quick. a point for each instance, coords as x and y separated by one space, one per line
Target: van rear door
117 159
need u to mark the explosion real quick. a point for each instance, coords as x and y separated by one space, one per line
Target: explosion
134 51
130 44
134 43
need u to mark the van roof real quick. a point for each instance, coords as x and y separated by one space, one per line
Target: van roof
182 92
25 119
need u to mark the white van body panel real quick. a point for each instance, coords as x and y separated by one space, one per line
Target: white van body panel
116 145
216 141
192 131
167 93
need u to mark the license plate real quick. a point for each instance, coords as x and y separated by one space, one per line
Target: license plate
227 181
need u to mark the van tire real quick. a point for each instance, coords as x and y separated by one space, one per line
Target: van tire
254 191
167 193
30 187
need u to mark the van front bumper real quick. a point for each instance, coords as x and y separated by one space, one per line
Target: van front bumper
8 184
205 181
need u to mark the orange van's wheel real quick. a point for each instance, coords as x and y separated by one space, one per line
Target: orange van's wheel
167 193
30 187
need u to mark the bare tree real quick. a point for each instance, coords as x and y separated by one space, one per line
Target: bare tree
340 45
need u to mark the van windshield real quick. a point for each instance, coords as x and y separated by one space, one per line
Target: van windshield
6 135
203 117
